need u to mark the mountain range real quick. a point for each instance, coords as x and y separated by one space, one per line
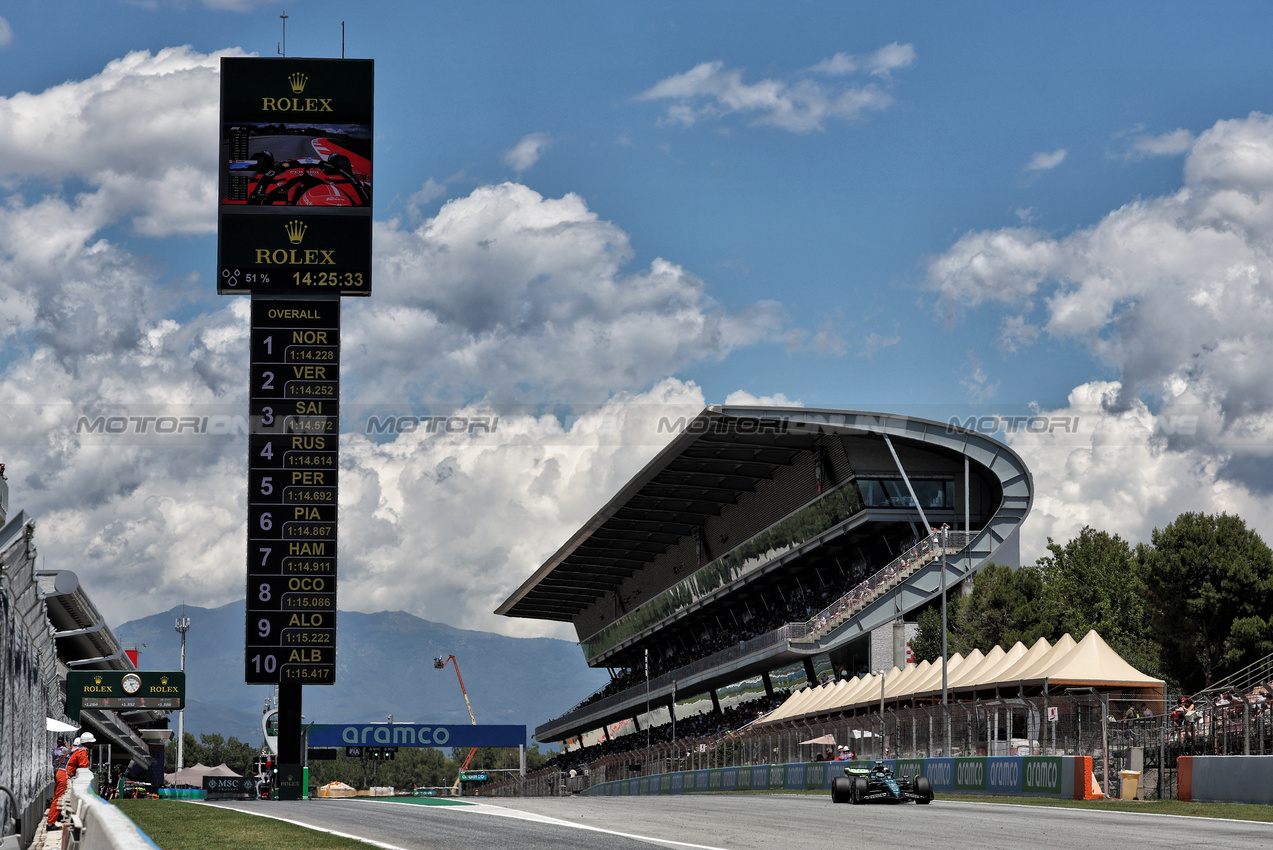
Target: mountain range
384 665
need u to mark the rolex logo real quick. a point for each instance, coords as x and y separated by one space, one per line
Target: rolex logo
298 81
163 680
295 231
97 680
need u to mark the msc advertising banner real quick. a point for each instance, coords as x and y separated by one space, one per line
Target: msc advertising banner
295 176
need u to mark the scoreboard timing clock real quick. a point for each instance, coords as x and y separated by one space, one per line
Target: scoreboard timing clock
292 491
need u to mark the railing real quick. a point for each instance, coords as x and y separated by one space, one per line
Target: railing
742 649
1007 726
1253 677
754 554
868 590
823 623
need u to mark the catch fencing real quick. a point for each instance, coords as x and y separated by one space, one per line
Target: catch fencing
1073 724
28 686
1118 735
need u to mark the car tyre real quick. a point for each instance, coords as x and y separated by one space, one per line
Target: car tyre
860 787
841 790
924 788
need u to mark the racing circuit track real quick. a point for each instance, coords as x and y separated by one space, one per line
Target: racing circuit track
750 822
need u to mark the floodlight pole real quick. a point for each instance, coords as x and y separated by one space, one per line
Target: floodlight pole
647 710
183 626
945 533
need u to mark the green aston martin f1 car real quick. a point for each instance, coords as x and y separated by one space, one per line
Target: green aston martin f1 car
877 784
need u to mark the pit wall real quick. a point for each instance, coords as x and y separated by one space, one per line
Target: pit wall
1225 779
1064 777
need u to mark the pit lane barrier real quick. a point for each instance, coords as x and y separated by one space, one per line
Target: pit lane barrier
91 823
1063 777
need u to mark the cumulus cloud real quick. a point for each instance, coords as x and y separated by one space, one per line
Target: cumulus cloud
1175 293
1129 469
450 524
142 134
6 33
742 398
504 296
802 104
527 151
527 297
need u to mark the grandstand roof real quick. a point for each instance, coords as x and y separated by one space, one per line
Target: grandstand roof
706 467
718 456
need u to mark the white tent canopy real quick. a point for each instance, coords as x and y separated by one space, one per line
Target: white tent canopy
1089 662
194 774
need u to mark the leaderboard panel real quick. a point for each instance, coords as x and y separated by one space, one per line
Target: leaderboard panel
292 492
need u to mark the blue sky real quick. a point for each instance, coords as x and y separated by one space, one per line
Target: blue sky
622 209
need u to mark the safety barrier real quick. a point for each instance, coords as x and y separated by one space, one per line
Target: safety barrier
1226 779
1065 777
94 824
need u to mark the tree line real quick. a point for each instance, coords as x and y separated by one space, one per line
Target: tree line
1192 606
410 767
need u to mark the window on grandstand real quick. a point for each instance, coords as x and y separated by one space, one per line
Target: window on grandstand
892 493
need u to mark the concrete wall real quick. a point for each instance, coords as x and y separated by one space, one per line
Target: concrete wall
1225 779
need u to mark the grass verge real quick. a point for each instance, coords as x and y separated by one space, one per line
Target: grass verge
182 826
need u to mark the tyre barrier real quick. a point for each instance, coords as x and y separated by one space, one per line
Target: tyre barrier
1064 777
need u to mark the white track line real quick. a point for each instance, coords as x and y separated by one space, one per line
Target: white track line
1102 811
336 833
501 811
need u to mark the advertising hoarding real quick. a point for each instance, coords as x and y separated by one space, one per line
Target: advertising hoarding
295 176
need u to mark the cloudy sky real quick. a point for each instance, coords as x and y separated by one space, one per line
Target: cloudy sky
590 216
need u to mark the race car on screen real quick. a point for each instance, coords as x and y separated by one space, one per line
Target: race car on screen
877 784
304 181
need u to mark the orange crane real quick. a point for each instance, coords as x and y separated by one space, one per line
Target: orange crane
440 663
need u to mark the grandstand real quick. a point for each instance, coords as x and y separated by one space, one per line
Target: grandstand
769 546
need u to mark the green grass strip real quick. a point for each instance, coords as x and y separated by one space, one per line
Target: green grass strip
182 826
421 801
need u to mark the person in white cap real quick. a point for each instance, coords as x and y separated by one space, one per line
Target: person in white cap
77 759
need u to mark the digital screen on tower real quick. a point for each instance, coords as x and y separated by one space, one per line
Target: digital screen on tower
295 176
292 491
